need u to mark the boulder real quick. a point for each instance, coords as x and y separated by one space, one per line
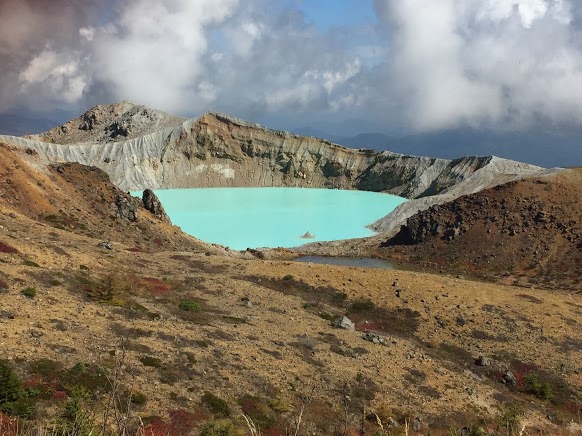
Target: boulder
124 208
153 204
509 378
345 323
374 338
106 244
482 361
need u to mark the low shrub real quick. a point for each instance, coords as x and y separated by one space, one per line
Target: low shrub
256 408
10 389
510 418
13 399
360 306
30 263
534 386
29 292
190 306
138 398
5 248
216 405
223 427
78 419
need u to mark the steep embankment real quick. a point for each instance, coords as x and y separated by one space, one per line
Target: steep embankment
529 231
218 150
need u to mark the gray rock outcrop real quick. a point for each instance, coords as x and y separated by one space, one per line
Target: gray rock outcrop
152 203
124 208
343 322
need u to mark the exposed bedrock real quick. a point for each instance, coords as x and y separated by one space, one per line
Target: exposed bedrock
152 203
217 150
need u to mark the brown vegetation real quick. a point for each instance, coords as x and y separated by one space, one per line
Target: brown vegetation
105 331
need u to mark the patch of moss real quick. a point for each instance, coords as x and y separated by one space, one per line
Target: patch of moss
190 306
29 292
30 263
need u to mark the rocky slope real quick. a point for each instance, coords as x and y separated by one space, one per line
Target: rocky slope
189 339
217 150
105 123
529 231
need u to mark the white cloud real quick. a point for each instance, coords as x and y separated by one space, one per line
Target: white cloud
57 73
153 53
88 33
484 62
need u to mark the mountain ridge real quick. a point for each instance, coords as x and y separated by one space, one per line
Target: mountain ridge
219 150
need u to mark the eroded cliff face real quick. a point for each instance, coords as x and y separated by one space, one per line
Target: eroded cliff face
216 150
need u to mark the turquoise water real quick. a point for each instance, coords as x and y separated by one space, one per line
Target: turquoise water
242 218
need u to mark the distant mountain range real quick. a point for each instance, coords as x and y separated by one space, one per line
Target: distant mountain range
538 148
547 149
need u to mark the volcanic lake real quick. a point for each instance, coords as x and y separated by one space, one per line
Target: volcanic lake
242 218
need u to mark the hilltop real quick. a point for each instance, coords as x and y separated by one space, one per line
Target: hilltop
104 123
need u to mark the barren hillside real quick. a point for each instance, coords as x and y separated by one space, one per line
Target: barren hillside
529 231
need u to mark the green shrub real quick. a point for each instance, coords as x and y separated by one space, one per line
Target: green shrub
138 398
327 316
78 368
190 357
150 361
13 399
288 277
190 306
279 405
29 292
223 427
46 367
79 420
537 388
362 306
10 390
30 263
510 419
216 405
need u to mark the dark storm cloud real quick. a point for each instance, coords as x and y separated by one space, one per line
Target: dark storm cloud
31 29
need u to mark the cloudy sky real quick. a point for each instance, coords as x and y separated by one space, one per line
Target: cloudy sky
343 67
